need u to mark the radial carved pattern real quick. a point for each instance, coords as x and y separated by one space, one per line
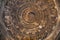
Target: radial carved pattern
30 20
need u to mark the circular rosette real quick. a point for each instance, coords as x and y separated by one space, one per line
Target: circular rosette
30 20
29 15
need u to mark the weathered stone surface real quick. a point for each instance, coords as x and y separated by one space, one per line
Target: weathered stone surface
29 19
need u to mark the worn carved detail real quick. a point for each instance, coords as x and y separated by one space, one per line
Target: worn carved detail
29 19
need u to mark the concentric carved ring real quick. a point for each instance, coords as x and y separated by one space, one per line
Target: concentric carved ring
29 20
30 15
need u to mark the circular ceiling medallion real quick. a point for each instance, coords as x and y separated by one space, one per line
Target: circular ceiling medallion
30 21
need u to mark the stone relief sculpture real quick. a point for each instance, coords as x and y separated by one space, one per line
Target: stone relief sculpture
29 19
